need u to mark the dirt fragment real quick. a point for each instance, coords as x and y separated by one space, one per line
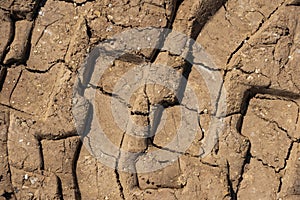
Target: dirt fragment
63 151
25 155
5 183
78 45
256 173
290 180
28 185
18 50
6 31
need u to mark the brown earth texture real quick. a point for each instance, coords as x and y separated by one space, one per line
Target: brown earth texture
250 81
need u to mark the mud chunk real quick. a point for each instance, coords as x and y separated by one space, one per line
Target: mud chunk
6 32
139 102
192 15
37 93
51 34
42 185
45 99
5 182
24 9
199 179
133 144
112 124
59 158
237 84
270 143
258 174
24 150
291 180
6 4
237 19
80 110
19 47
284 113
166 130
233 150
113 74
137 127
167 177
78 45
10 81
91 174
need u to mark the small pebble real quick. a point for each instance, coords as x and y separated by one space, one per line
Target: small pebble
26 176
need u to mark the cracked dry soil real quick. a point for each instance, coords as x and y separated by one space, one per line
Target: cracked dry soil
255 46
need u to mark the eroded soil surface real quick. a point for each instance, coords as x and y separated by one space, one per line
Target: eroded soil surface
255 46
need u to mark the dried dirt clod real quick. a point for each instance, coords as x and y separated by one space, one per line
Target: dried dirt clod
24 150
112 129
192 21
269 144
51 34
18 49
258 174
24 9
111 76
37 88
166 130
78 45
139 101
239 87
168 177
238 20
5 183
6 32
9 82
59 158
129 184
91 174
109 18
39 185
134 143
290 181
233 151
285 115
236 95
199 175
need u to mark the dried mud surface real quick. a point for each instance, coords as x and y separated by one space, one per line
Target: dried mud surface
255 46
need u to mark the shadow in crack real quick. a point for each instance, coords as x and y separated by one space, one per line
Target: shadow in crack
74 171
3 73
